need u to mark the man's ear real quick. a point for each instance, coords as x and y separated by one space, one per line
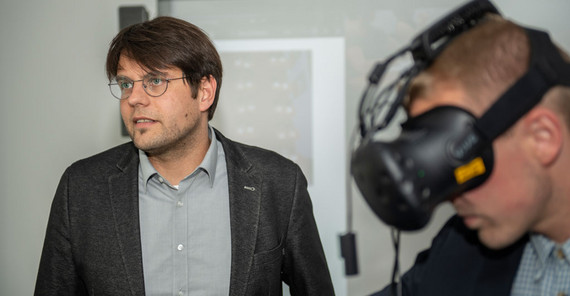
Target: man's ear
544 127
206 92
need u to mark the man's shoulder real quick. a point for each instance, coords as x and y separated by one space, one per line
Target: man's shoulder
106 159
261 154
254 154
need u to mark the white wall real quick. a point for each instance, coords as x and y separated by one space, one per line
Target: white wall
55 107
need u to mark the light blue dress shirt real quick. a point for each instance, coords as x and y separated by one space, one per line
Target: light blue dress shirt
185 229
544 269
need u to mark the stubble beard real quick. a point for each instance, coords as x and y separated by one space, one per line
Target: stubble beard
170 142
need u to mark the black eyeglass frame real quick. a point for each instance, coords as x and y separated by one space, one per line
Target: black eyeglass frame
150 77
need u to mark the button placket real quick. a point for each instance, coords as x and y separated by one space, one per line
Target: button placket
180 242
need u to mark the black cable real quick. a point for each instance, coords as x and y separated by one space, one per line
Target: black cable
348 240
354 145
396 283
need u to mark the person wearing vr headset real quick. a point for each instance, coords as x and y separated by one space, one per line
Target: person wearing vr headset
511 234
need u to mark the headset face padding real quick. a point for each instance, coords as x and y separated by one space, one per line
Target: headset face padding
438 155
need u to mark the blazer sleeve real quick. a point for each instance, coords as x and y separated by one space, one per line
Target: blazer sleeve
57 274
305 268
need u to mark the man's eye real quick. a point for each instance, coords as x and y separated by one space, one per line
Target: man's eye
155 81
125 84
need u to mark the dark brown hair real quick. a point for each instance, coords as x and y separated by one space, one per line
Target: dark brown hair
165 42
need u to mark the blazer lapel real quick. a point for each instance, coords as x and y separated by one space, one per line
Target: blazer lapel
123 188
245 195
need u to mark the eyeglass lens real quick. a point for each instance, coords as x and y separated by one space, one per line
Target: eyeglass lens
122 87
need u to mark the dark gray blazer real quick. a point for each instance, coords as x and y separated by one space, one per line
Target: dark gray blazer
93 246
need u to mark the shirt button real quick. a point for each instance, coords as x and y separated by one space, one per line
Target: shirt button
180 247
179 204
160 179
561 294
560 254
180 293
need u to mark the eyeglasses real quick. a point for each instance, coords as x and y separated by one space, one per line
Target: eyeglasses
154 85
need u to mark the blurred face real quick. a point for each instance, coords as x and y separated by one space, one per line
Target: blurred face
511 201
158 125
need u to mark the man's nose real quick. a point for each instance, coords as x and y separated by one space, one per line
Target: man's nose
138 94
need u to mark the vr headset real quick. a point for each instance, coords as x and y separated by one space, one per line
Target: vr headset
445 151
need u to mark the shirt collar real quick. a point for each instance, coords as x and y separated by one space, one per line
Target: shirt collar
210 161
208 164
146 170
544 248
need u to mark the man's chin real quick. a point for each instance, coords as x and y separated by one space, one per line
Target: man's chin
493 240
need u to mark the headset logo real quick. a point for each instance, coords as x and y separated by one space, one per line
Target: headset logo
466 172
464 146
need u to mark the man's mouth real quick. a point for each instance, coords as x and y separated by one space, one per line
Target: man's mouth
143 121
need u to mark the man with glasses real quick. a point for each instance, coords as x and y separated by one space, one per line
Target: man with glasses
180 210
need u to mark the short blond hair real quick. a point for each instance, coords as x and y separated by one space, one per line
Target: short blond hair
486 60
558 98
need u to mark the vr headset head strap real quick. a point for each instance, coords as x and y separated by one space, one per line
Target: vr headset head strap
546 69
